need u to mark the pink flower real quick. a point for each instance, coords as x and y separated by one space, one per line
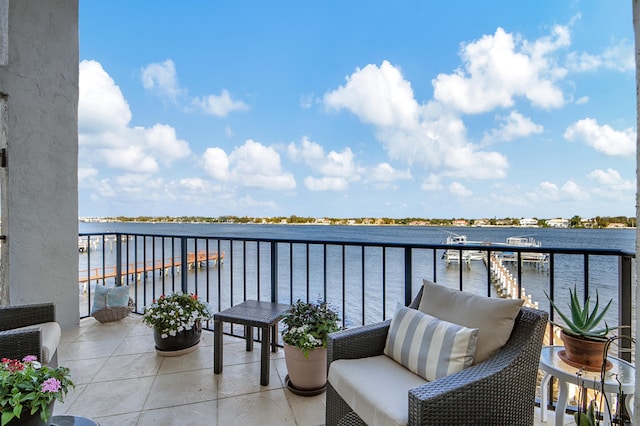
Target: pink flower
30 358
51 385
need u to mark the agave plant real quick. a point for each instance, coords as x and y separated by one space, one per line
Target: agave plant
583 321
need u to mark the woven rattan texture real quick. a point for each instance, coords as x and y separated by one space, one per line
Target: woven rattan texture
17 344
499 391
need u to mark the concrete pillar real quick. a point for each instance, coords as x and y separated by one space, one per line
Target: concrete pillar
39 192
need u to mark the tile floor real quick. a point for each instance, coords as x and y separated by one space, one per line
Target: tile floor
120 380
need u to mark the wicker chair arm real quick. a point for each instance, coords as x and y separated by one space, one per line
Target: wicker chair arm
21 316
358 342
490 391
15 344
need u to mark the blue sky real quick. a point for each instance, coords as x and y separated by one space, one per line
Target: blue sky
357 109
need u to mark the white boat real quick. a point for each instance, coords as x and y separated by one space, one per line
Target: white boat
453 255
524 241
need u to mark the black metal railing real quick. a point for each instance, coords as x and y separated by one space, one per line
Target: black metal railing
363 281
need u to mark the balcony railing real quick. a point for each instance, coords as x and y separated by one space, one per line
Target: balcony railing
363 281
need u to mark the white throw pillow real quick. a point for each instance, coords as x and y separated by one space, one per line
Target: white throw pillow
427 346
492 316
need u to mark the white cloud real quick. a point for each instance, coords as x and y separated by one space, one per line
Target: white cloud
548 191
428 135
219 105
216 163
326 183
87 173
432 183
105 136
603 138
498 68
101 106
513 126
337 169
610 180
377 95
162 78
250 165
385 173
618 57
582 100
458 189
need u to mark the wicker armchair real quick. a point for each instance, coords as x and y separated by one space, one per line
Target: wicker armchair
18 343
500 390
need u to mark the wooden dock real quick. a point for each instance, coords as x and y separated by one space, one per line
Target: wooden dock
162 265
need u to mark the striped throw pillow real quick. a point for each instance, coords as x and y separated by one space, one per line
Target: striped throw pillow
427 346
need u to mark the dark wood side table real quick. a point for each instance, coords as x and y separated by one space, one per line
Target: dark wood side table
252 313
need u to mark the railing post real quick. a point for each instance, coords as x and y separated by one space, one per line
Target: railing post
118 260
274 272
184 276
625 296
408 274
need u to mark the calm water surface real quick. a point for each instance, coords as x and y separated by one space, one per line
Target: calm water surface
603 271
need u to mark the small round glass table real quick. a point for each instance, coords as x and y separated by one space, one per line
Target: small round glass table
553 366
72 421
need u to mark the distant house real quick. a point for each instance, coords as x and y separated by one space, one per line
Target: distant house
529 222
558 223
460 222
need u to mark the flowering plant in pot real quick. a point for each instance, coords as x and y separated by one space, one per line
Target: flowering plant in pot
306 326
28 388
177 315
584 339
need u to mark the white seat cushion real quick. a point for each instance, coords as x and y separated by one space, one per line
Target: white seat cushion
376 388
51 333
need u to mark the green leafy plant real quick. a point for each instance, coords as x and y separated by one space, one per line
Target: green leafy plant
27 387
306 325
583 321
175 313
586 417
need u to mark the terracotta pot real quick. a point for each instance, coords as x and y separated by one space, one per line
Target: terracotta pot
583 353
182 340
306 373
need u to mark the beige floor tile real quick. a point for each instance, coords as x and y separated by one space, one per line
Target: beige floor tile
244 379
88 349
201 358
176 389
130 419
112 398
203 413
84 370
263 408
69 399
105 358
135 345
128 367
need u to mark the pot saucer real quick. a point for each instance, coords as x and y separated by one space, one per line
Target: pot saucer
312 392
563 356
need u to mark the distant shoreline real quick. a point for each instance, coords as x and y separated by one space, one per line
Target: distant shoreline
469 223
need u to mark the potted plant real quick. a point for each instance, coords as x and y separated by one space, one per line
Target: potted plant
306 326
28 390
176 320
583 337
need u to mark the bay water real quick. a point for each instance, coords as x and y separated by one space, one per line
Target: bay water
346 290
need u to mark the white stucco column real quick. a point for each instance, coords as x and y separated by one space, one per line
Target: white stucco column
636 28
39 80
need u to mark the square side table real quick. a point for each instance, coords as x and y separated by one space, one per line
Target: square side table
252 313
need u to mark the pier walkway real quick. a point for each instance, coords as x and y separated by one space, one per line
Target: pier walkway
162 265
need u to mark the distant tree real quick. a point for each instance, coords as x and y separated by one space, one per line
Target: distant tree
575 222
